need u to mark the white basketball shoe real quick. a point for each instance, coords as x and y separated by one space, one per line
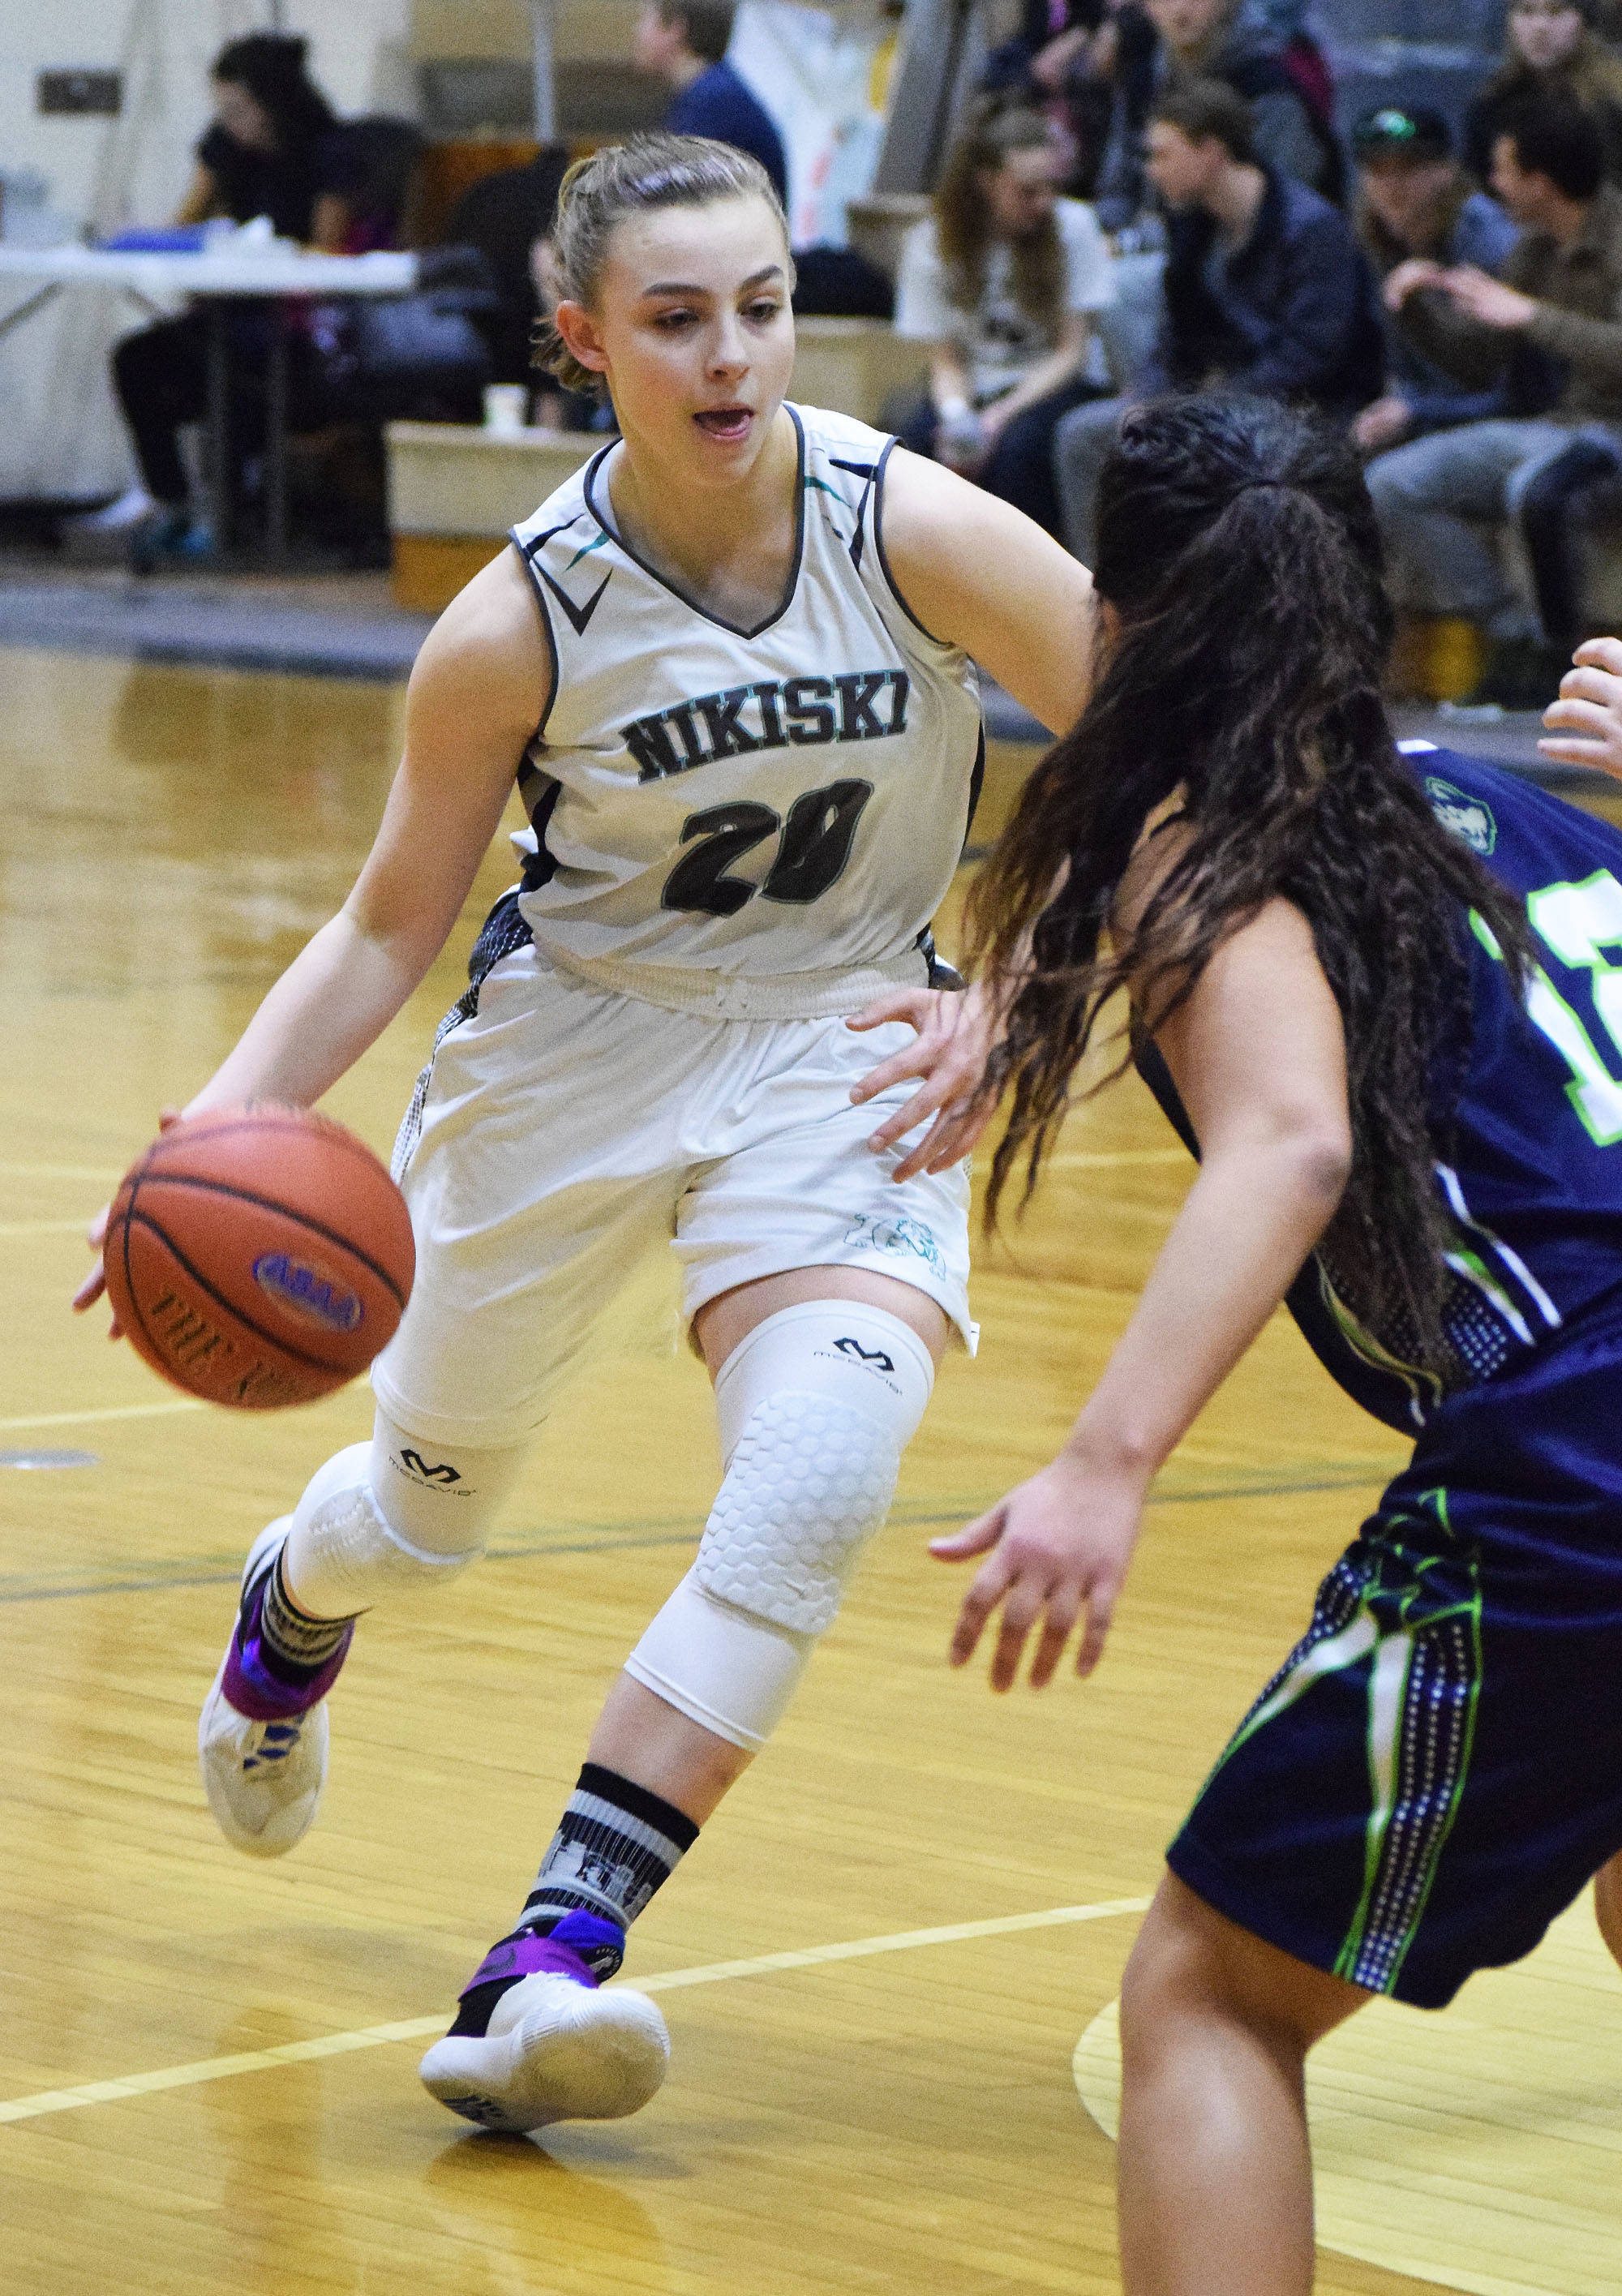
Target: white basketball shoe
558 2046
262 1743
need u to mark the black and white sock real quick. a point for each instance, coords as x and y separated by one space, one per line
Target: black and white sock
297 1647
616 1844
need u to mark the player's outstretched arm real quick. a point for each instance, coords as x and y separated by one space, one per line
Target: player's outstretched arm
478 690
979 574
1258 1055
1585 723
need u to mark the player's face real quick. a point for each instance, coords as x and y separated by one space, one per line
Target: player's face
692 329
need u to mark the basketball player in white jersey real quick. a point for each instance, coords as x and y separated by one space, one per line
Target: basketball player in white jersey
730 665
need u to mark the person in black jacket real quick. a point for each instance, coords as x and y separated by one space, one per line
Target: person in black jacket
275 148
1265 290
1145 52
503 215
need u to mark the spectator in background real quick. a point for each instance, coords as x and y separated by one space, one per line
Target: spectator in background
503 215
274 149
1265 290
1416 204
686 43
1560 294
1003 282
1549 51
1282 24
1149 50
1049 66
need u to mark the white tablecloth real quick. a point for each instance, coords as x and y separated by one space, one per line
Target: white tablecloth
254 271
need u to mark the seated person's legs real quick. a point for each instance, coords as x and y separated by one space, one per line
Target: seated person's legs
914 418
161 378
1080 443
1432 495
1019 467
1545 497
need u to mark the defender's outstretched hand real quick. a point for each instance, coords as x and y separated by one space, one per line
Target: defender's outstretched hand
1056 1546
1585 724
948 1055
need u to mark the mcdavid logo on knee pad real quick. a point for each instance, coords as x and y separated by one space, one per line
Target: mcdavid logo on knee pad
875 1357
416 1466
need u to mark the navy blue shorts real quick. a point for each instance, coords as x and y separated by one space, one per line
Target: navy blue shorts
1436 1770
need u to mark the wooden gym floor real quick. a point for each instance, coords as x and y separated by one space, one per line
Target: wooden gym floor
879 1959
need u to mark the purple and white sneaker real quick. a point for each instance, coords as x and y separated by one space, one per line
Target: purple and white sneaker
557 2045
261 1742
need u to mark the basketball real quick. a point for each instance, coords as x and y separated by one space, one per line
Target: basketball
259 1257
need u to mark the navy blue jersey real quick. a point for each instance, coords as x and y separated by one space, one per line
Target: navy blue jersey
1535 1185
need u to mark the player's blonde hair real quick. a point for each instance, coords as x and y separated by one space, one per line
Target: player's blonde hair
626 179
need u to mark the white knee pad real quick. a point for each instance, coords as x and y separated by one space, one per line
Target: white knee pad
389 1517
726 1669
815 1406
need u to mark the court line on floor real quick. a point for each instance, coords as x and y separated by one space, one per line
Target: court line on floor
44 1227
111 1411
104 1173
669 1980
1087 1160
221 1570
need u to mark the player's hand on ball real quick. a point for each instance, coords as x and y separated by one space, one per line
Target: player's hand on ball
1056 1546
1585 724
95 1235
948 1053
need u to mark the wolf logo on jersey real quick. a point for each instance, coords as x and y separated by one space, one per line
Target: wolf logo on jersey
683 836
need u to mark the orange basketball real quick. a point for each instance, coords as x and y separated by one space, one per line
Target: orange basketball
259 1256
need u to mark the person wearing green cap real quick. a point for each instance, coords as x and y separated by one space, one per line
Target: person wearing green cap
1415 205
1560 300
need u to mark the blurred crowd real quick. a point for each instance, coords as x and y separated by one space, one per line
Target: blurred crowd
1451 292
275 150
1143 196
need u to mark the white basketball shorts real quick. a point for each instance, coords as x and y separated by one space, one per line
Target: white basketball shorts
566 1130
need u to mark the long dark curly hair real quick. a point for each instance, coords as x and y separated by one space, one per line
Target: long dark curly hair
1238 548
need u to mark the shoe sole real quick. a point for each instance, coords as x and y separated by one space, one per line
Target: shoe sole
573 2055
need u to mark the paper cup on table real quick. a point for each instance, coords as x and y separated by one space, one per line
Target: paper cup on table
506 407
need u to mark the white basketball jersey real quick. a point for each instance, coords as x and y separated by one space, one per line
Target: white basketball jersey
713 805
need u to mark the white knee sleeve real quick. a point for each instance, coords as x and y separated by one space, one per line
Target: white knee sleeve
815 1408
390 1516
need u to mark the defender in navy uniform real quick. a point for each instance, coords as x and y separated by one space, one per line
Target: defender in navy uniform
1476 1607
1380 997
